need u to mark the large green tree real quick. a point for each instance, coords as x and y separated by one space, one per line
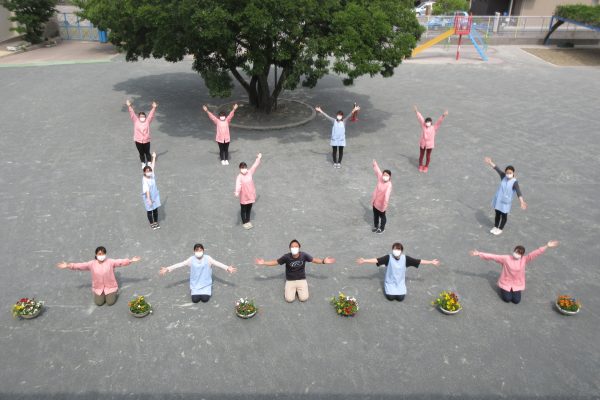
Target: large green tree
31 16
245 39
448 7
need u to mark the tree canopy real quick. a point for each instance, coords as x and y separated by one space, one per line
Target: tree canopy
245 39
589 15
448 7
31 15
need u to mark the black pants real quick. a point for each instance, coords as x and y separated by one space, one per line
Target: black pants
245 212
144 150
515 297
224 151
152 215
392 297
500 219
422 152
334 152
200 297
379 215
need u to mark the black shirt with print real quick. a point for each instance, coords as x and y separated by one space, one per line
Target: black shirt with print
294 267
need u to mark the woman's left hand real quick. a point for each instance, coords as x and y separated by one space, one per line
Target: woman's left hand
135 259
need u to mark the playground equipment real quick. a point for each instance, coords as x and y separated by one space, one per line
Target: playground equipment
462 26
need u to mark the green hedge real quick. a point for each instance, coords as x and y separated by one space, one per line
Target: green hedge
589 15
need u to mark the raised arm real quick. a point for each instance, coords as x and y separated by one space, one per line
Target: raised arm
538 252
212 116
230 116
164 270
123 262
152 112
256 163
153 162
266 263
376 169
131 111
214 263
441 119
318 109
354 109
419 116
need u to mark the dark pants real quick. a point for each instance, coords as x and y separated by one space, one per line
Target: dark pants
109 299
500 220
152 215
335 150
422 153
515 297
392 297
245 212
224 151
144 150
200 297
377 216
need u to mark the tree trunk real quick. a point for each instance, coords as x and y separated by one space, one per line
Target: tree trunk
259 92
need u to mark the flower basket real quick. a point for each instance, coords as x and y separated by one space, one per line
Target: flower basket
344 305
567 305
447 302
139 307
245 308
27 308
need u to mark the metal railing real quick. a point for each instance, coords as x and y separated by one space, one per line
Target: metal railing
71 27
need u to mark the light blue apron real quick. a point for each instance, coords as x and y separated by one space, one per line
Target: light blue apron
504 195
154 194
395 276
338 134
200 276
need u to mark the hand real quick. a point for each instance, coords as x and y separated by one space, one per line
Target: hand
328 260
235 107
232 269
154 104
153 154
149 202
552 243
356 108
360 260
416 109
163 271
474 253
205 108
488 161
62 265
236 194
259 156
523 205
446 113
259 261
318 109
374 162
435 262
128 102
135 259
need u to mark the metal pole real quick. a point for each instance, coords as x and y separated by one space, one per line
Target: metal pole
458 48
510 7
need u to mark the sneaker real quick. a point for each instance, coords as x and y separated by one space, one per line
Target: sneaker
425 168
493 230
250 226
339 165
498 231
156 226
374 229
143 165
226 162
153 225
379 231
222 162
420 168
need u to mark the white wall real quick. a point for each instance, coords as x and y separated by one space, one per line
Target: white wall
5 25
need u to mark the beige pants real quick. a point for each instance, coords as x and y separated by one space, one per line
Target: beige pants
293 287
109 299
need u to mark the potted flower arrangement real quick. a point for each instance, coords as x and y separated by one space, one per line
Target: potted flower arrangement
139 307
27 308
447 302
568 305
345 305
245 308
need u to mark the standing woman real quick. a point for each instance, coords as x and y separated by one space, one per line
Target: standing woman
502 201
150 193
141 131
512 277
395 274
104 282
427 142
201 267
245 190
223 137
338 134
295 275
381 198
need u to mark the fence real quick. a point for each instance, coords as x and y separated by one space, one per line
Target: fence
71 27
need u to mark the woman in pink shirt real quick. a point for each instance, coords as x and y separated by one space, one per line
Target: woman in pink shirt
427 142
141 132
223 138
104 282
245 190
381 197
512 277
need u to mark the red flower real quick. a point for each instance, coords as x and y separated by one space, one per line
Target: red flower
24 300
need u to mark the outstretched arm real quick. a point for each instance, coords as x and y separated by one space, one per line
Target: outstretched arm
376 169
123 262
488 256
230 116
214 263
256 163
80 266
152 112
538 252
326 260
354 109
319 110
366 261
131 110
266 263
165 270
210 115
419 116
440 120
435 262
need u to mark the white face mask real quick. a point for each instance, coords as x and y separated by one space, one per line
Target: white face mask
339 117
396 253
294 250
198 254
148 174
222 118
428 124
244 171
516 255
385 178
509 176
101 257
142 119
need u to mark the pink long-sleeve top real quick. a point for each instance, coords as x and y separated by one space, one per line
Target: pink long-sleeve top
222 127
244 185
383 190
428 133
141 130
103 274
513 270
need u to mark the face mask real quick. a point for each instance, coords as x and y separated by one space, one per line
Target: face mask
101 257
385 178
295 250
244 171
339 117
198 254
222 118
396 253
142 119
516 255
428 124
509 176
148 174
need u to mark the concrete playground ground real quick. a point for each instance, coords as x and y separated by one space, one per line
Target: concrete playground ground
71 181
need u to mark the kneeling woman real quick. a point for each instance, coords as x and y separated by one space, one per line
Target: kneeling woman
200 273
512 277
104 282
395 275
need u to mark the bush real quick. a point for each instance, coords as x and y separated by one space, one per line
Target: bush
589 15
448 7
31 15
